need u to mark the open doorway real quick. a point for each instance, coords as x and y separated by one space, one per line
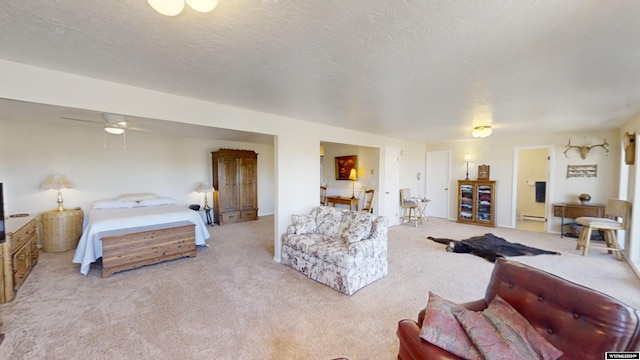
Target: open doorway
367 175
531 188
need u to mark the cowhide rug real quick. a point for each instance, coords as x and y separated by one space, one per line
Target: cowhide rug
489 247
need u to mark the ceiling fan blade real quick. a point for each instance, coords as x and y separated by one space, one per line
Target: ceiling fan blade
82 120
136 129
115 121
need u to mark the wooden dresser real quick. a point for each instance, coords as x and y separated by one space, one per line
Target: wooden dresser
235 178
19 254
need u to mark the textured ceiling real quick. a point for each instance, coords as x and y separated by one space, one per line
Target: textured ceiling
424 70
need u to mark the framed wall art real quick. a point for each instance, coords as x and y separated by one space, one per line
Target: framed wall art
483 172
344 164
582 171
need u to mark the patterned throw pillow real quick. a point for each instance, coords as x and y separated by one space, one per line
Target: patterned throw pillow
357 227
519 334
328 221
441 328
486 339
305 224
498 332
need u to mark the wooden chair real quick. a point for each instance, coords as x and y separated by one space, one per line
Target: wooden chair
368 200
616 218
323 195
409 207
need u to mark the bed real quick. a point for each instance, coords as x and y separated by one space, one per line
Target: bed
131 233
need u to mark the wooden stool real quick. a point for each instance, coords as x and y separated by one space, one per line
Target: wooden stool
616 218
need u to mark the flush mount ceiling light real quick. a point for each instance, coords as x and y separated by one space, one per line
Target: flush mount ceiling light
175 7
481 131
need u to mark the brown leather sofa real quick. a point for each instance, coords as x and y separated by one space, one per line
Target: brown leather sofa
581 322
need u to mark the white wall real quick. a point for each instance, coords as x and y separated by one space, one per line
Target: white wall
499 154
295 151
295 147
166 165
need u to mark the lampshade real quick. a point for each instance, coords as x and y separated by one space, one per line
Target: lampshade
57 182
481 131
205 187
175 7
353 175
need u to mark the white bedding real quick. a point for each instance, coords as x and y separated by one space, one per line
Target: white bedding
100 221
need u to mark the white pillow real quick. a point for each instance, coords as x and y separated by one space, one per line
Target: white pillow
113 204
156 202
137 197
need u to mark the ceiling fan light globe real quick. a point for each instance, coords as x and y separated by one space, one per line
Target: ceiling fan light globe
167 7
203 6
114 130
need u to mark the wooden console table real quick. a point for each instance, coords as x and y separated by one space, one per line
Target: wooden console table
576 210
342 200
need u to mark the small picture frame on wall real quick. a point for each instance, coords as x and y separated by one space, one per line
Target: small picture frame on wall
483 172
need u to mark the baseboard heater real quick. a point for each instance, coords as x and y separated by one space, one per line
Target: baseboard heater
532 218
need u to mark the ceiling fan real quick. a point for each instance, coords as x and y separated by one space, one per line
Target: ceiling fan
114 124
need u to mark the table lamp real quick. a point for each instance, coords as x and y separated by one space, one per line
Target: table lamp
467 157
58 182
205 188
353 177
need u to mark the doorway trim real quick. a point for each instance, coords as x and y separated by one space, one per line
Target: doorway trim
391 186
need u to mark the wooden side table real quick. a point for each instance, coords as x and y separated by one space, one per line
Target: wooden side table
576 210
61 230
342 200
206 216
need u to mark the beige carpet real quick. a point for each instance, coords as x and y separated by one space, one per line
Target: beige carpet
233 302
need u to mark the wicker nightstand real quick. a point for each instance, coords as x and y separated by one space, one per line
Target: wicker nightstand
61 230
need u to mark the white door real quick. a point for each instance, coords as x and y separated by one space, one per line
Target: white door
392 185
438 182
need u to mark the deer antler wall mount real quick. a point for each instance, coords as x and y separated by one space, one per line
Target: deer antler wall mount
584 150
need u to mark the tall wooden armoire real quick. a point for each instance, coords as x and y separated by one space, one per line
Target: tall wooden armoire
235 178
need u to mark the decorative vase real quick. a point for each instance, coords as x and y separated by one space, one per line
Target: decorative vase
584 198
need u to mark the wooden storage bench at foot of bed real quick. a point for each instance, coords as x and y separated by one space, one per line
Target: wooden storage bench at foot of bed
145 246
